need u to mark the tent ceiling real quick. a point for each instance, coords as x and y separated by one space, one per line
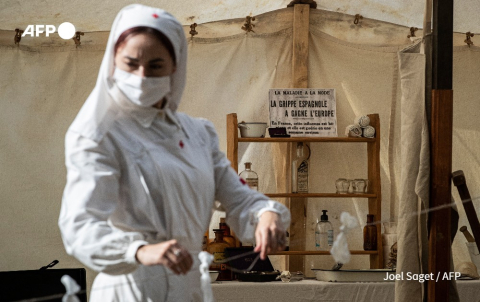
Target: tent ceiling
95 15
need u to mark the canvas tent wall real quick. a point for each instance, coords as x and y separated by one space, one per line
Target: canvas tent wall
91 15
46 80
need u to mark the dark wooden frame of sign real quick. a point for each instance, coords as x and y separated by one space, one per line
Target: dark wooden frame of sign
441 149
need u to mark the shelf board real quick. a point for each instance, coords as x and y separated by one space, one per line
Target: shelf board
319 195
355 252
306 139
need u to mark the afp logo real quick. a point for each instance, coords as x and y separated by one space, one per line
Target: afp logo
66 30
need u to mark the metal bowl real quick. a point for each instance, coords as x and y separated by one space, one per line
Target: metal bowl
252 129
213 275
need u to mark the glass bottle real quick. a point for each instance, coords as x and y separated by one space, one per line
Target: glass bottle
226 233
205 241
342 185
217 249
287 241
251 177
300 171
370 234
323 233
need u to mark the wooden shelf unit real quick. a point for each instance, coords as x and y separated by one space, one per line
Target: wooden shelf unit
305 139
319 195
322 253
374 195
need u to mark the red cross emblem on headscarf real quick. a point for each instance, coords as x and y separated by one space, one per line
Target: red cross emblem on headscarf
155 16
180 144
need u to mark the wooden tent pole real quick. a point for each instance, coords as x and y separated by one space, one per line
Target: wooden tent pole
441 150
298 206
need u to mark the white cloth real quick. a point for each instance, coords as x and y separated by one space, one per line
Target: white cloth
139 175
71 288
412 232
339 250
205 261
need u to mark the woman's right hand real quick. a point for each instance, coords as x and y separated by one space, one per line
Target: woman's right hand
169 253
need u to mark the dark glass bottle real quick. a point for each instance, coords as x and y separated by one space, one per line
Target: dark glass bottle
287 241
370 234
217 249
227 237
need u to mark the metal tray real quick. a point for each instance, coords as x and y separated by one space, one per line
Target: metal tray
258 276
354 275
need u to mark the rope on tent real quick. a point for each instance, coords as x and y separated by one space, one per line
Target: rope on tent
469 40
18 36
312 3
358 17
248 26
412 32
193 32
77 38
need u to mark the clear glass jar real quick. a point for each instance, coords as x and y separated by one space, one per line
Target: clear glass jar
250 176
342 185
359 186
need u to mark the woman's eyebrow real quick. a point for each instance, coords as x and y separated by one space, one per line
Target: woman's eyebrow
151 61
131 59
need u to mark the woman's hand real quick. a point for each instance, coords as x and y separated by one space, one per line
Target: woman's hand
168 253
269 235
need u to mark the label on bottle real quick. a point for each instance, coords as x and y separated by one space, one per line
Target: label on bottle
252 183
302 177
330 237
218 256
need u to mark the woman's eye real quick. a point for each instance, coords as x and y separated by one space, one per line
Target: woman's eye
156 66
131 64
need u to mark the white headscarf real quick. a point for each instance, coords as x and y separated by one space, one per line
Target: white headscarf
97 114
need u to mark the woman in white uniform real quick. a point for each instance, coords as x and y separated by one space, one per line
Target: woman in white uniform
142 178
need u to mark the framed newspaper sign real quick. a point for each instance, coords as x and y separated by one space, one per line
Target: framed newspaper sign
304 111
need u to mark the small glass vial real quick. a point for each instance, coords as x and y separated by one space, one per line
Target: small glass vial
350 186
323 233
370 234
250 176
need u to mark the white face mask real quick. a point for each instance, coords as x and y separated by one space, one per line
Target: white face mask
144 92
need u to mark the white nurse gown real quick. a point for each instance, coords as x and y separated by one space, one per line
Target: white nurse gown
149 176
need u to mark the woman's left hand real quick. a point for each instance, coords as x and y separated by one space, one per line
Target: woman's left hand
269 235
